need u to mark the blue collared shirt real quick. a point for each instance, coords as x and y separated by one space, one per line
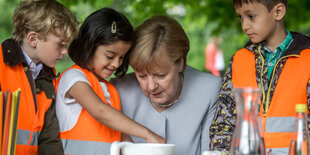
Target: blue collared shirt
35 68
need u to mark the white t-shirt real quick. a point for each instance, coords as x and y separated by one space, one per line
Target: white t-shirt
68 110
219 61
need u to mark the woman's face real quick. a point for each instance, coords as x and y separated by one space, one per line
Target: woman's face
161 84
108 58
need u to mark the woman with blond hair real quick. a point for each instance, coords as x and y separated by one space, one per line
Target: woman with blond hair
164 94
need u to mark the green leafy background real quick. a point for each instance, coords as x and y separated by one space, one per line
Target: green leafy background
201 19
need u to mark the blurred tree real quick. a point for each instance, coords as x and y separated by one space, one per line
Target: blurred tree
200 19
202 12
6 12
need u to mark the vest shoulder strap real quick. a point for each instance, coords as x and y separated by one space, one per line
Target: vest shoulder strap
243 69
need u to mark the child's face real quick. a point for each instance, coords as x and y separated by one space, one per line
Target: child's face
108 58
256 21
50 50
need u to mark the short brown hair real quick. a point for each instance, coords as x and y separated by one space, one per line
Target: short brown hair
268 3
43 17
154 33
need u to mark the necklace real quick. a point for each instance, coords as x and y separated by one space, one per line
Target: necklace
176 100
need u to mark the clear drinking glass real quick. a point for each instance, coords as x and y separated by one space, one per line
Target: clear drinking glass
247 138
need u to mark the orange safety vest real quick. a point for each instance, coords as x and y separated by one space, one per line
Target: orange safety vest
30 121
278 122
88 136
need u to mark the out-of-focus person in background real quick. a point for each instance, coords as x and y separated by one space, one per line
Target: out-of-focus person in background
214 59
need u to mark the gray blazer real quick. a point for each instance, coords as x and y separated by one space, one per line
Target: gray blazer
187 122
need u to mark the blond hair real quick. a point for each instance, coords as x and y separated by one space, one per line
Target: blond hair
158 32
43 17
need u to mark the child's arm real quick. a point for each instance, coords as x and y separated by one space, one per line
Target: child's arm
107 115
126 138
223 124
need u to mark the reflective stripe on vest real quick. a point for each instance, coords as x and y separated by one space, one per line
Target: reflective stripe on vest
23 137
286 124
85 147
290 90
278 151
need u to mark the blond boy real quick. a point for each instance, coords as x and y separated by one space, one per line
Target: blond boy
42 30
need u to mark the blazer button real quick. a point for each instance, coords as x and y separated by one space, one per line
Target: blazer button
38 90
53 97
25 69
9 51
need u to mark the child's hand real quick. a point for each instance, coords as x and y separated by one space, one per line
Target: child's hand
154 138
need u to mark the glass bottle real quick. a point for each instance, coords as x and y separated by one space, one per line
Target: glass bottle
247 138
300 136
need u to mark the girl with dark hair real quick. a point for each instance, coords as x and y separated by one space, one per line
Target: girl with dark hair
88 106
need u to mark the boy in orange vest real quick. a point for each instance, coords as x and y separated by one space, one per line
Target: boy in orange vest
275 60
42 29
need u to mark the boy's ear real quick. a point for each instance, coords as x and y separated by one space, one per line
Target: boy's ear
32 39
279 11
